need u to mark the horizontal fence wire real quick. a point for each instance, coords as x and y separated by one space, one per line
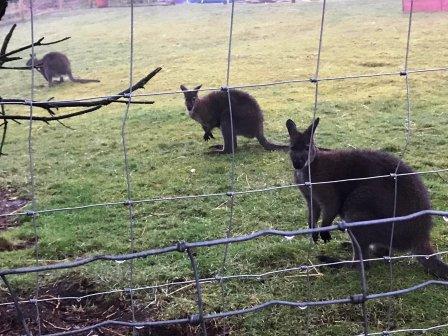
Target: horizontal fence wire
240 277
220 194
193 319
182 245
239 86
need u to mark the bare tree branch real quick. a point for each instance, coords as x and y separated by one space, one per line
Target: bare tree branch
49 105
5 128
95 104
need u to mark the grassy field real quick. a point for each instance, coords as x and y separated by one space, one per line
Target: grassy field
167 156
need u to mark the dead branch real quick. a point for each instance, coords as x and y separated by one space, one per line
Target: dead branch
3 5
50 106
5 128
96 104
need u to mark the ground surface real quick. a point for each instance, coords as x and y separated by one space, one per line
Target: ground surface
167 157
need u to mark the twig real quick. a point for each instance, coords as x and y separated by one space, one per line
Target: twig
112 331
55 326
5 128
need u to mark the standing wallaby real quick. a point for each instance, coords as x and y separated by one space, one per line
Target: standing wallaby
213 111
55 64
362 200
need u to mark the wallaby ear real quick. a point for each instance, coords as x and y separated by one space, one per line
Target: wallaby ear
291 126
183 88
198 87
312 128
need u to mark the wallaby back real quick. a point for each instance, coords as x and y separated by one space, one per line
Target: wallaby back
367 199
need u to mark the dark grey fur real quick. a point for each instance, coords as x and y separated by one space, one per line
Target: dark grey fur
212 111
364 199
55 64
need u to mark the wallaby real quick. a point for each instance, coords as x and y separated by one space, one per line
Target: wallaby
55 64
213 111
367 199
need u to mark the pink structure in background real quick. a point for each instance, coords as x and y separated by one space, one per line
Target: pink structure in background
425 5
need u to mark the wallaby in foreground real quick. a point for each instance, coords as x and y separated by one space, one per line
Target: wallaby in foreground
213 111
362 200
55 64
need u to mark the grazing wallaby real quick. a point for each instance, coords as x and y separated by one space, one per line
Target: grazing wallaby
213 111
55 64
364 199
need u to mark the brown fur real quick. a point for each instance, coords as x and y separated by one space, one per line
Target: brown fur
55 64
213 111
364 199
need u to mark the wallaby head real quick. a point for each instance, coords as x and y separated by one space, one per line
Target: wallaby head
30 61
190 96
302 149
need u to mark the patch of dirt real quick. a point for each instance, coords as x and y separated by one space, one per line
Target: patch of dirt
10 203
6 245
64 315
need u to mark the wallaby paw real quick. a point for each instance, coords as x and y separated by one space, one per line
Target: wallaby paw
220 147
326 236
217 151
208 136
329 260
315 236
347 245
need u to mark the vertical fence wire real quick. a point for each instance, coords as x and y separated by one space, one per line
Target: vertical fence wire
19 312
198 319
315 80
5 128
129 202
32 182
362 274
402 154
231 192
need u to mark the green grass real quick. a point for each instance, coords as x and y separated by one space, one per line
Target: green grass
271 42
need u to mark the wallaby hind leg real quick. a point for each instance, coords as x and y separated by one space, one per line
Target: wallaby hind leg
360 240
361 250
229 137
48 76
432 263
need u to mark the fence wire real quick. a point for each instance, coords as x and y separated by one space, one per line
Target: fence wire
201 317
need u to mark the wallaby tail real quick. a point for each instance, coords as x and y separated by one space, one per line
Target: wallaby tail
269 145
432 264
81 80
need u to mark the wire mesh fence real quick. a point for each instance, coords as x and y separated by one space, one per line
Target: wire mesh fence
201 317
